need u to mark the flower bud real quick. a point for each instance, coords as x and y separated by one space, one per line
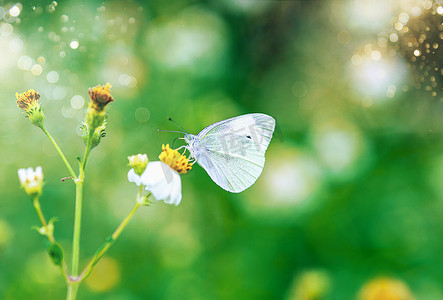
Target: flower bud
31 181
100 97
138 163
28 101
46 230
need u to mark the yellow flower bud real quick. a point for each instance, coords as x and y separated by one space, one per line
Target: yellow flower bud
96 116
138 163
100 96
28 101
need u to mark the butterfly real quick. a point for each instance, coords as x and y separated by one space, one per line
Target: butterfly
232 151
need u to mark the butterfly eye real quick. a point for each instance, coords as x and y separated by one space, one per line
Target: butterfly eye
249 137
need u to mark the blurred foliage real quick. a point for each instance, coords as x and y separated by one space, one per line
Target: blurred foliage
350 202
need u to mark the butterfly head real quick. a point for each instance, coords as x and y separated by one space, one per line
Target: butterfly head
188 138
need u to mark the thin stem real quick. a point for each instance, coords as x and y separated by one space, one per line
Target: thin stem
42 218
87 151
77 225
74 284
71 171
99 254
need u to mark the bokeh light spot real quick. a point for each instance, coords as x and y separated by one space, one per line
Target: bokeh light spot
6 29
339 145
14 11
77 102
403 18
52 77
385 288
24 62
375 55
105 276
36 69
74 44
142 114
393 37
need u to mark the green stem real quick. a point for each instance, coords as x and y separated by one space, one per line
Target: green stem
72 290
87 150
73 285
42 218
74 282
77 225
99 254
71 171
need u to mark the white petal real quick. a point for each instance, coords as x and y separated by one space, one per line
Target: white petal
163 182
153 174
29 173
22 175
132 177
39 172
155 180
176 190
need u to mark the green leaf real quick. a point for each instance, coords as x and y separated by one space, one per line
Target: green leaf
55 252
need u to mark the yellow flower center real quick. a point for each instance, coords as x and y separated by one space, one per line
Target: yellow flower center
27 100
174 159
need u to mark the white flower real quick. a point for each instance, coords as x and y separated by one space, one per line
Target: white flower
133 177
31 181
163 182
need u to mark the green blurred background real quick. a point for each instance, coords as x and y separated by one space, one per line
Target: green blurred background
350 202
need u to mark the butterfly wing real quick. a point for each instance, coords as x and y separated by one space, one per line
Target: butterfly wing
233 151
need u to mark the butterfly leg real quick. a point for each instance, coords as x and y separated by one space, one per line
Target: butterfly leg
184 146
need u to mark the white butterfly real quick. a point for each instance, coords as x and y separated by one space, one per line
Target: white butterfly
233 151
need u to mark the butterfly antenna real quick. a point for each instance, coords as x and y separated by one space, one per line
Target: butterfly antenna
160 130
170 119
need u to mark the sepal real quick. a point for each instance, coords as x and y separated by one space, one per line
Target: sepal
146 200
